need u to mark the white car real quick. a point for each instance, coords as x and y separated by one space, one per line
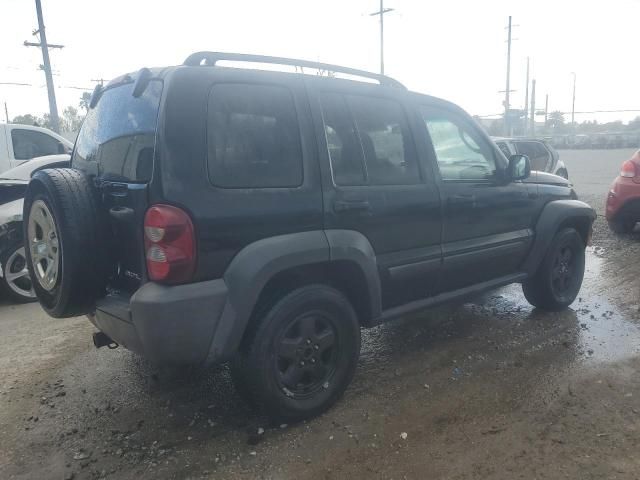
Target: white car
14 277
543 157
20 143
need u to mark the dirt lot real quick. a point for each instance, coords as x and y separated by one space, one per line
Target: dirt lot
484 389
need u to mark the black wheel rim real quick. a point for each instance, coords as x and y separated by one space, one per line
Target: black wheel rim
307 355
562 274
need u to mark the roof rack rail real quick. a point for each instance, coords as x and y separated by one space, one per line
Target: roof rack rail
211 58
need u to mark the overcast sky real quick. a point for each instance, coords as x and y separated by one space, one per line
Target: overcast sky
454 49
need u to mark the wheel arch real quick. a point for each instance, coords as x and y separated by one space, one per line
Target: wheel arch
555 216
265 270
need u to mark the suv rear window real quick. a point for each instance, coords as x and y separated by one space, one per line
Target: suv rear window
253 137
119 134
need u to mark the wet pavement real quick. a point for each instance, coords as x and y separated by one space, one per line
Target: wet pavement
486 388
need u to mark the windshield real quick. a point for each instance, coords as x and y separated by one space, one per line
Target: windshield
119 134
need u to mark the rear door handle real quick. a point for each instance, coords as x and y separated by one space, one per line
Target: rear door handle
340 206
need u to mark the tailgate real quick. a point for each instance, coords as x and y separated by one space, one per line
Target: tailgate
116 145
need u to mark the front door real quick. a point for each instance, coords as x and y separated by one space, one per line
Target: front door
374 184
487 221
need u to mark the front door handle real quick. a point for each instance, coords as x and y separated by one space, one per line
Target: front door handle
462 200
340 206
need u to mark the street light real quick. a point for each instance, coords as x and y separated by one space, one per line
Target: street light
573 104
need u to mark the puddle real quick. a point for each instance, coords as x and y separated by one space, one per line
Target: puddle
604 332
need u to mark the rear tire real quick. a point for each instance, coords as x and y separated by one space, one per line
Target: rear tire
15 283
558 279
300 357
623 225
71 246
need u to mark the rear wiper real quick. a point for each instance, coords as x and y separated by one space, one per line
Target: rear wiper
142 82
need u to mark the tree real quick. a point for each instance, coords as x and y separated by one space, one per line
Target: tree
27 119
556 120
634 124
85 100
71 120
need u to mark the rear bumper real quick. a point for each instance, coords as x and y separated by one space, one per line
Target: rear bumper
169 325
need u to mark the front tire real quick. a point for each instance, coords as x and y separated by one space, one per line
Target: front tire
558 279
300 357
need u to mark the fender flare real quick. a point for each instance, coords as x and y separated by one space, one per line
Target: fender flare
251 269
553 215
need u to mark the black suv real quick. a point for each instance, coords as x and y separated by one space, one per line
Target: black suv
219 213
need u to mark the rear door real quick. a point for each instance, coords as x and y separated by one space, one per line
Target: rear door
116 146
374 184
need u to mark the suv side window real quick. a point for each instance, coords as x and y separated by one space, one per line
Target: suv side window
345 151
253 137
386 141
462 154
28 144
369 141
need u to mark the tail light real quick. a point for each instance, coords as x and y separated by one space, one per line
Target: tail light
628 169
169 243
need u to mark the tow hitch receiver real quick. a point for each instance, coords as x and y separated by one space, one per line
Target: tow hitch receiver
101 339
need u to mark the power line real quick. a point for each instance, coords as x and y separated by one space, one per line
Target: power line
631 110
71 87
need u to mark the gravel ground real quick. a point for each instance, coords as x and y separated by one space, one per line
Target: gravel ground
488 388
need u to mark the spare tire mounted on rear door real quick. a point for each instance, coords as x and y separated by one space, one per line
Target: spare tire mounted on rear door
65 242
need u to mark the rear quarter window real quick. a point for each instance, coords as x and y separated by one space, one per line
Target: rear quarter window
119 134
253 137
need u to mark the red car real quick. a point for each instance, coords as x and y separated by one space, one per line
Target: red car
623 201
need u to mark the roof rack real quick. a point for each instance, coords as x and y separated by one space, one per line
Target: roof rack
211 58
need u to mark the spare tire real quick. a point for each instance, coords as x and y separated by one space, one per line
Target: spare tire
65 242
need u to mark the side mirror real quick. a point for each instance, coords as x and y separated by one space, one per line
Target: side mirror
519 167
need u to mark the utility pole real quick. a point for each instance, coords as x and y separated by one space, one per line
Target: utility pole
573 103
507 122
101 80
6 112
381 12
546 108
532 130
53 107
526 99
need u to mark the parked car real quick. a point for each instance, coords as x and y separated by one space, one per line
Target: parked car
216 213
15 282
19 143
623 199
543 157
